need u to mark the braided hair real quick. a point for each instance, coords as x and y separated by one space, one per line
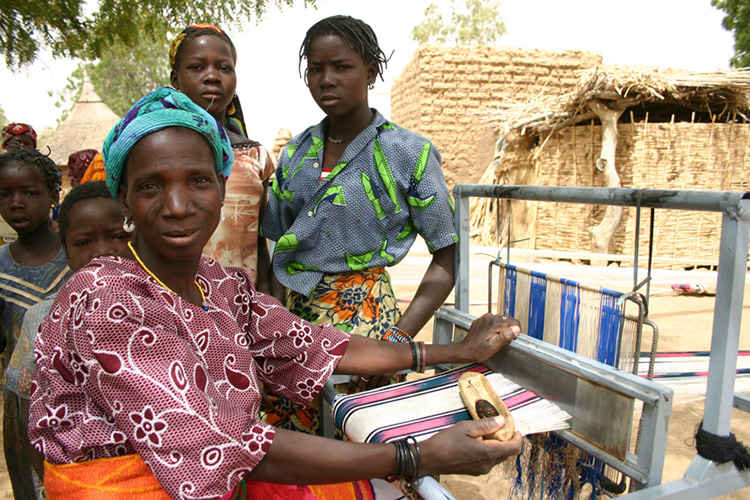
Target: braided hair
51 174
87 191
357 34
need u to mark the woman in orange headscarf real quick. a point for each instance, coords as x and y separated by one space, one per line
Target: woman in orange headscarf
95 170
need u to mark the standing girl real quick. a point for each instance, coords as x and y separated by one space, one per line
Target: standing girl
90 225
203 59
349 198
31 268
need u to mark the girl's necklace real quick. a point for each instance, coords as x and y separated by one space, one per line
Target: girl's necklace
338 141
137 258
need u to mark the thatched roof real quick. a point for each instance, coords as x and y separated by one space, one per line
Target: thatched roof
85 127
723 95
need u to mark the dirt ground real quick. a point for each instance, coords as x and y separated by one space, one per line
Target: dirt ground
684 325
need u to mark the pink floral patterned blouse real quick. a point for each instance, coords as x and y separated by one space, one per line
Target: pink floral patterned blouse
125 366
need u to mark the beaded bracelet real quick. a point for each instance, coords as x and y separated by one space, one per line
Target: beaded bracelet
418 350
407 459
396 334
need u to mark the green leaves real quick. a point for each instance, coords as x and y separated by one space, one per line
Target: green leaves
359 262
335 194
384 171
367 186
28 26
421 165
286 243
124 74
737 20
477 23
294 267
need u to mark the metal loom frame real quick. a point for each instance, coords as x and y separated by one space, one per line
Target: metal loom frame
703 478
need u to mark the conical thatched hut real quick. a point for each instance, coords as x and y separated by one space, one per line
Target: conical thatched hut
628 127
85 127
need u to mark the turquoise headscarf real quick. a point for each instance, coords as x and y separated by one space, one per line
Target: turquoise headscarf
162 108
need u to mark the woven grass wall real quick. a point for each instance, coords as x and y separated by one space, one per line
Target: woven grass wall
693 156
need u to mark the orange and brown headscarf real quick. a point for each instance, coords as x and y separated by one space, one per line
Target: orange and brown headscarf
95 172
188 31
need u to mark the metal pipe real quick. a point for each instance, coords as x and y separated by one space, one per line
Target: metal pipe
706 201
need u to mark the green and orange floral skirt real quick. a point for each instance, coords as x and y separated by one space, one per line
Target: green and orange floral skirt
357 302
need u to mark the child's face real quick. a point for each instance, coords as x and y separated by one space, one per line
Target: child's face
94 229
19 142
25 200
337 76
206 73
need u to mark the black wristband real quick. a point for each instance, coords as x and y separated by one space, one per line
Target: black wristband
408 460
415 354
416 458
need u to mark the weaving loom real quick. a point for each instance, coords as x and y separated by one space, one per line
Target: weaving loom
584 387
588 320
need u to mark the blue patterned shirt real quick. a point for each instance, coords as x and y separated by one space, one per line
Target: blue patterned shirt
22 287
387 187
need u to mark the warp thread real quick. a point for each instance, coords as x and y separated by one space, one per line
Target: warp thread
721 449
548 469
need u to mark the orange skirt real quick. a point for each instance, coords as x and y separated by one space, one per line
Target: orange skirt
129 478
119 478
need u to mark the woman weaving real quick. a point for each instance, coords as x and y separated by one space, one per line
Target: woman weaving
149 362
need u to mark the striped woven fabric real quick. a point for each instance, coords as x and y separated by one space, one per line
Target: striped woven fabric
423 407
686 372
577 317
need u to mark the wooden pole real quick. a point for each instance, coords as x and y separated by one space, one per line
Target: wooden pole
602 235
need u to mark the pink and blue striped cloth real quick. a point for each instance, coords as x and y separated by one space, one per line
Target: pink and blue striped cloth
423 407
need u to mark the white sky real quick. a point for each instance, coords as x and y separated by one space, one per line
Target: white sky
685 34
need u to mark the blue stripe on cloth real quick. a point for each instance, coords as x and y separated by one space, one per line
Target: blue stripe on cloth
537 305
569 314
510 290
610 319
